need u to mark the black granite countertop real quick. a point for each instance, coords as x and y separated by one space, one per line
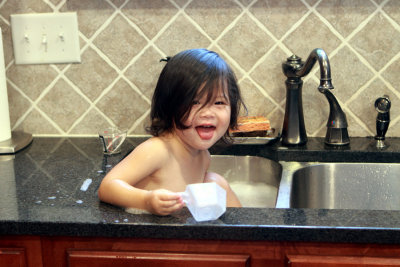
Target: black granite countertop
43 192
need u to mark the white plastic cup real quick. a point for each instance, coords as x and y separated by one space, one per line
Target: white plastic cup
205 201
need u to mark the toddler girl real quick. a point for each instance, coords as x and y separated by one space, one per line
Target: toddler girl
195 102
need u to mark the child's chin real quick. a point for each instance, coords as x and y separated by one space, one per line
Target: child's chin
205 144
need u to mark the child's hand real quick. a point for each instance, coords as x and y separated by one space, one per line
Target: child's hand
163 202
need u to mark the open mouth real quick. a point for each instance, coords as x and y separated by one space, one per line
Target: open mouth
205 132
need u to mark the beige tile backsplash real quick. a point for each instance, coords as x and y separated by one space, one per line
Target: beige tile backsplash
122 41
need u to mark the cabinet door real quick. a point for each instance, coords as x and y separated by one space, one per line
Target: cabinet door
143 259
20 251
12 257
348 261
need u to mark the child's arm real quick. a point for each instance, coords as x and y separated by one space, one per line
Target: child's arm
117 186
231 198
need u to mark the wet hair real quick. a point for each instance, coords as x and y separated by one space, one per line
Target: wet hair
187 76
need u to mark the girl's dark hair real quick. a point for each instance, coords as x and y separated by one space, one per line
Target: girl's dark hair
178 86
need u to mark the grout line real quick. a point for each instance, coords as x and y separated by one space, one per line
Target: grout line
34 105
4 20
51 5
139 120
61 4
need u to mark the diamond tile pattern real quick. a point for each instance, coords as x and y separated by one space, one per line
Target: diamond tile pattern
150 16
377 41
120 34
66 110
247 41
123 40
356 12
93 75
221 13
269 13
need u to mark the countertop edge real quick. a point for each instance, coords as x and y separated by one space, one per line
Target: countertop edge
281 233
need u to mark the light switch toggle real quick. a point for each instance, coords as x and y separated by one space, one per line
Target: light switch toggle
44 42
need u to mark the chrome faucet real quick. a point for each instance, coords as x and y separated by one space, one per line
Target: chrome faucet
293 131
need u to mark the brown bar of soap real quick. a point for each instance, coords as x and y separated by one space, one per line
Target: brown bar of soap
251 126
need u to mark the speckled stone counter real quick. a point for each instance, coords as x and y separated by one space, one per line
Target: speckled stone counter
43 192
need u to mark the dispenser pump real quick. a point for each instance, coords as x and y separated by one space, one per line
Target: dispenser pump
382 105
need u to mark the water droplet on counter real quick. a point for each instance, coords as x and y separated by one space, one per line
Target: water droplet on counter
117 221
108 166
52 197
126 220
79 201
38 202
100 171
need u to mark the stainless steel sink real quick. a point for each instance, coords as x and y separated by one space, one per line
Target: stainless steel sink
367 186
255 180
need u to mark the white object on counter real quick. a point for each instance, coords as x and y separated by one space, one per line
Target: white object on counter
5 128
86 184
205 201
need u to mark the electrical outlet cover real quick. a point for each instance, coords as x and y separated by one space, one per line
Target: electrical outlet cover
41 38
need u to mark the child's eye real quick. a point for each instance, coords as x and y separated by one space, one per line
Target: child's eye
196 102
220 103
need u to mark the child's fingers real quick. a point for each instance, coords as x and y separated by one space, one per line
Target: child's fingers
168 209
166 202
171 202
170 196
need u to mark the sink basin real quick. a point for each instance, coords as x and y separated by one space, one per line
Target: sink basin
255 180
367 186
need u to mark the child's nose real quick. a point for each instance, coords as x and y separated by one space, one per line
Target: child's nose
206 111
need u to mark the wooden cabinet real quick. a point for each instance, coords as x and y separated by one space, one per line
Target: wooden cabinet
74 252
331 261
97 251
150 259
20 251
349 255
13 257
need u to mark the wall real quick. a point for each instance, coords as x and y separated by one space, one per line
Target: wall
122 42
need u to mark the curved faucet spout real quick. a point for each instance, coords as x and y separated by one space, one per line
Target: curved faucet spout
324 68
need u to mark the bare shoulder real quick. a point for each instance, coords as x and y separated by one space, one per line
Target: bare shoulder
154 150
153 146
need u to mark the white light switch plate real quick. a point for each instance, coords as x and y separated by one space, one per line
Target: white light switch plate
41 38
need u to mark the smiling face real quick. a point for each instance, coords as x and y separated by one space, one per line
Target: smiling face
207 122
